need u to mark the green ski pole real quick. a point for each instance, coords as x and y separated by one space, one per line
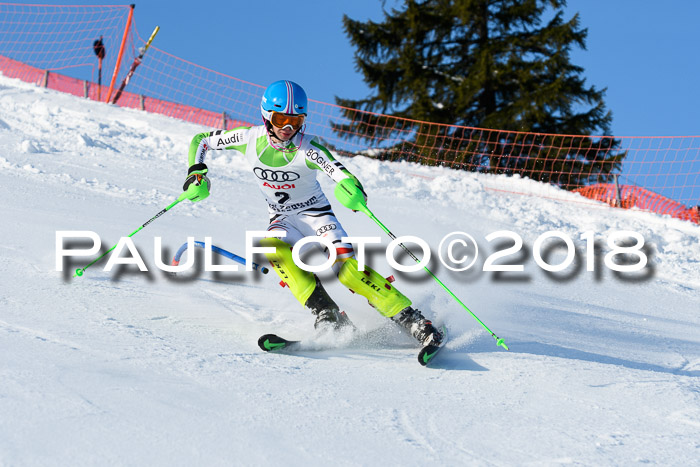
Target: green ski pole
351 197
81 271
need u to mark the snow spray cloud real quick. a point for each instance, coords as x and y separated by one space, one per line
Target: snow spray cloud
458 251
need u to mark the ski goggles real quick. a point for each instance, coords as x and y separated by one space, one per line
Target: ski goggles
281 120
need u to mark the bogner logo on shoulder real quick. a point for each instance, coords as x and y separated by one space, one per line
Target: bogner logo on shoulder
275 175
320 161
229 139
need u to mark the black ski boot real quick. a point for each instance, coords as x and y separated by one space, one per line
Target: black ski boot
326 311
419 327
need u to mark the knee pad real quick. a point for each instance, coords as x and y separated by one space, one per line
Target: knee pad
376 289
301 283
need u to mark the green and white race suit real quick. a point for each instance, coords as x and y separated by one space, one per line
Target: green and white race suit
297 206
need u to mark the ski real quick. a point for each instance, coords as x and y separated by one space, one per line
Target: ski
273 342
428 352
137 62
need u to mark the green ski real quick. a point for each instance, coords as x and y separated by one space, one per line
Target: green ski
273 342
428 353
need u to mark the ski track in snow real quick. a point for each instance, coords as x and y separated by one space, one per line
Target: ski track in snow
143 368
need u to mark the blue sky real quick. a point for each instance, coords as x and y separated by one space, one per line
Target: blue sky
644 52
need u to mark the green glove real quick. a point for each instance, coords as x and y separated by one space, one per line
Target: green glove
359 185
350 193
197 183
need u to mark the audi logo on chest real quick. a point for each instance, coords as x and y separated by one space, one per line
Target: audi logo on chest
275 175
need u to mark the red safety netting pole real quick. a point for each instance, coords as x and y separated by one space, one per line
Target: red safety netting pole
121 52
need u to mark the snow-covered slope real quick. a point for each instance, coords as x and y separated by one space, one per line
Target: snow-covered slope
140 368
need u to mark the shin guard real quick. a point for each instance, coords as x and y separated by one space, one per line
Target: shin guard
376 289
301 283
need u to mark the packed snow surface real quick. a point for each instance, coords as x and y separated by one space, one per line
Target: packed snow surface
136 368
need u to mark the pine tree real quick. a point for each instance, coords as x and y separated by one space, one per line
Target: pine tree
482 64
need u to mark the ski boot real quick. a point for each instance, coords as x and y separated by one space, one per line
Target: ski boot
327 312
415 323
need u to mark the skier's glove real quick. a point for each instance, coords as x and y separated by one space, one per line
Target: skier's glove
359 185
351 195
197 183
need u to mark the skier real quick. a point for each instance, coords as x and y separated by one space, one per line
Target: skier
285 162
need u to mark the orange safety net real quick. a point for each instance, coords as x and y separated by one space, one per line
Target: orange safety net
36 39
629 196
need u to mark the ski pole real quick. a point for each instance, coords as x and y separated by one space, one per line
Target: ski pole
81 271
137 62
221 251
355 200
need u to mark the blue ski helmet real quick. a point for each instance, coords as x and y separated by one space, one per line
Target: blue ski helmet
285 97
